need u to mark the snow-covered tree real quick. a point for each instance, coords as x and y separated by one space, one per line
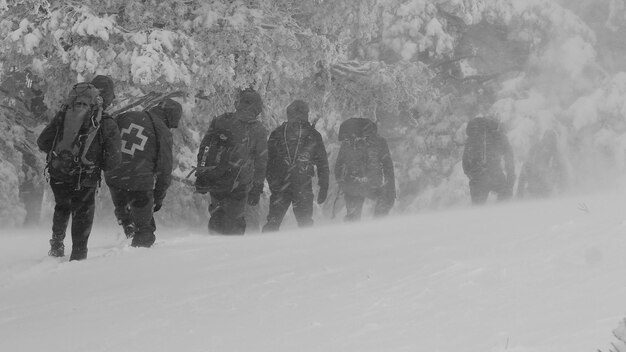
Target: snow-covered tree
421 68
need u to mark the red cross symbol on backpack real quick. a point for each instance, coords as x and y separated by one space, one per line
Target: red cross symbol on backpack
132 142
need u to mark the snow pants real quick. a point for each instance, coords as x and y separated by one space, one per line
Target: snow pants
80 205
354 205
227 210
481 186
301 198
135 207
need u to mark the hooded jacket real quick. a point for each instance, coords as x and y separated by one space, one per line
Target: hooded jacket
295 148
248 158
485 150
364 166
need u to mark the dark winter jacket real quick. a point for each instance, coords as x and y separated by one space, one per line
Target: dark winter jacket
294 149
485 150
104 150
146 152
354 170
249 155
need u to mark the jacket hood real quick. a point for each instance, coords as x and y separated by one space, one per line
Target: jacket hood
357 127
106 87
249 105
298 110
479 125
170 111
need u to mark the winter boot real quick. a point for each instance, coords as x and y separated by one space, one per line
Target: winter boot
129 230
78 253
57 248
143 240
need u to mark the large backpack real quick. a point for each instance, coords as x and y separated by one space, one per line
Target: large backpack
80 121
363 171
220 157
480 132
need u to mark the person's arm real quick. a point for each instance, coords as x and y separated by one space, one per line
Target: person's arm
509 163
274 170
340 165
164 160
112 141
388 171
260 155
320 160
45 141
204 142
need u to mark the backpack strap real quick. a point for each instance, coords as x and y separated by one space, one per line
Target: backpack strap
291 160
95 126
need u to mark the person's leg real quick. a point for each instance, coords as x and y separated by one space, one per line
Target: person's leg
500 186
141 208
216 213
83 209
60 219
354 206
279 204
479 190
303 206
227 211
121 204
234 210
383 204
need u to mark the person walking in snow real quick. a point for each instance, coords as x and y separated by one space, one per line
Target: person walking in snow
232 161
139 185
364 168
543 173
295 150
486 148
81 141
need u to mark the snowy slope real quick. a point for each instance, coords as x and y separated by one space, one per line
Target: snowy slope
525 276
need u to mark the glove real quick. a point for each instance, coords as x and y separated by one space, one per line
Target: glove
159 195
255 194
322 194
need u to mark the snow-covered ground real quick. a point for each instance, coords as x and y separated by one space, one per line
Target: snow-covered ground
524 276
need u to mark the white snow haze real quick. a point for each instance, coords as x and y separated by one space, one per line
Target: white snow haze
528 276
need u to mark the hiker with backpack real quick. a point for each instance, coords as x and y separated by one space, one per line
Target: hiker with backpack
232 161
81 141
364 168
295 150
486 149
139 184
543 173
